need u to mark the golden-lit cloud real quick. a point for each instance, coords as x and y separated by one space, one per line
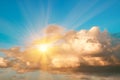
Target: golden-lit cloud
58 48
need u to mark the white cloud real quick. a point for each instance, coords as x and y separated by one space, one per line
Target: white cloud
68 49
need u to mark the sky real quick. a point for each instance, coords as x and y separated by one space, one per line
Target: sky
74 30
19 19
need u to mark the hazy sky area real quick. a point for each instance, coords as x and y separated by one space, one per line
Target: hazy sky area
55 39
19 19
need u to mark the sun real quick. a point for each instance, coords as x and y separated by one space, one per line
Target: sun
43 47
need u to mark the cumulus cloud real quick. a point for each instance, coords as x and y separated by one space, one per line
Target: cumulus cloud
66 49
3 62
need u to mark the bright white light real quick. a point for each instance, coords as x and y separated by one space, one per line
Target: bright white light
43 47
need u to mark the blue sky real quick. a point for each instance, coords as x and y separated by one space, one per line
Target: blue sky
20 19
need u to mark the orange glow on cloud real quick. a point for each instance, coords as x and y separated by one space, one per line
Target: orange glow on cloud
60 49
